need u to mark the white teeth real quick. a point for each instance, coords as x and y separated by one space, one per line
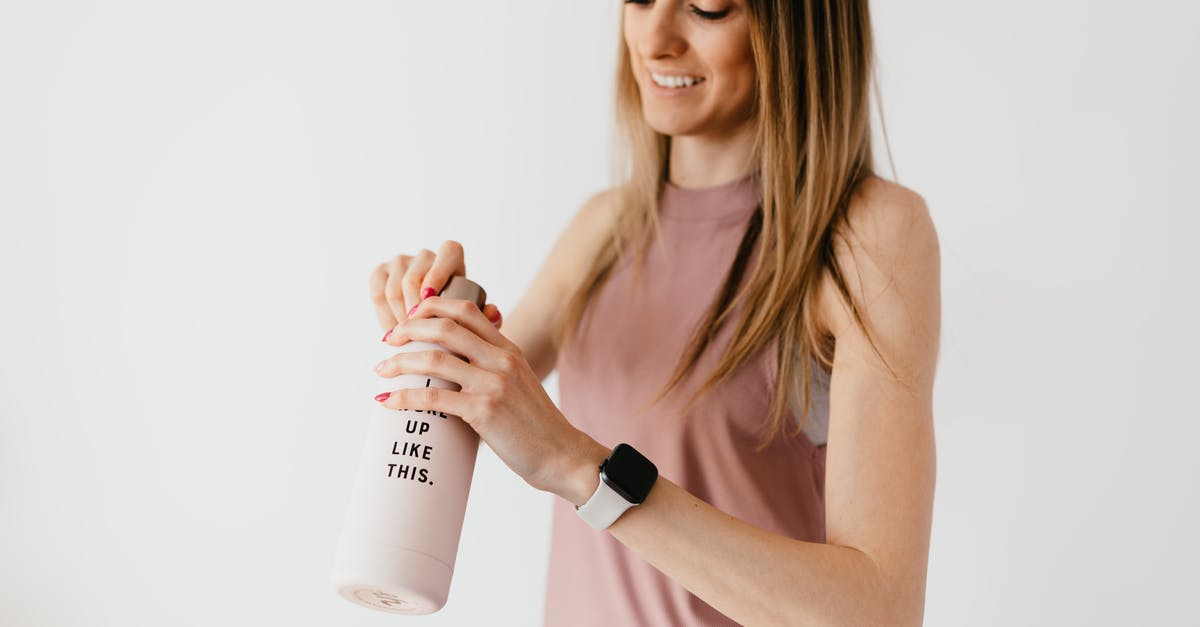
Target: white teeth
675 81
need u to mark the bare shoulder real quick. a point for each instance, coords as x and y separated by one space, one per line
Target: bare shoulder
888 215
603 204
890 259
578 244
531 322
583 238
597 217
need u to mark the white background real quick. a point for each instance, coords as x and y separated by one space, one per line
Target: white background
193 195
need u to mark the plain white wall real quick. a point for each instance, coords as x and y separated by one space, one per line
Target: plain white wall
192 195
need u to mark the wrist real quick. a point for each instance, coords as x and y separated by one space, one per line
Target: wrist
581 476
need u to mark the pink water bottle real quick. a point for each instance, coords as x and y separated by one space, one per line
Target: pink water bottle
400 536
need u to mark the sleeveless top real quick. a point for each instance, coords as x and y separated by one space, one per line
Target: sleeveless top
626 347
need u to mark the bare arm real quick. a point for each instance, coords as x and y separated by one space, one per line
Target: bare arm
880 462
532 321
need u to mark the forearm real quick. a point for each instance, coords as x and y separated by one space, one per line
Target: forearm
747 573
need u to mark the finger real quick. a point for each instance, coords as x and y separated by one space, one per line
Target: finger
466 314
411 283
449 262
436 363
492 313
393 291
376 284
437 399
446 332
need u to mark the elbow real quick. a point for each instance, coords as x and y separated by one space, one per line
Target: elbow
874 595
905 607
899 597
905 616
891 612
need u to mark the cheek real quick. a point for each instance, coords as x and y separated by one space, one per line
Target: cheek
633 62
737 69
627 29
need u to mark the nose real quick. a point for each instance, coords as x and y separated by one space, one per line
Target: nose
657 32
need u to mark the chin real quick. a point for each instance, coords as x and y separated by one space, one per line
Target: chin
673 125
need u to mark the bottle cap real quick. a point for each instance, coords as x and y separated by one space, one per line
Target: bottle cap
466 289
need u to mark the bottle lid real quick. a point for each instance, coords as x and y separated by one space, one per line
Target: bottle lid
466 289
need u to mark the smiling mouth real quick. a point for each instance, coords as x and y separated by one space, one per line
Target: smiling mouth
667 81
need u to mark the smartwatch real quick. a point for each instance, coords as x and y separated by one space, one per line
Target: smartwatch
626 477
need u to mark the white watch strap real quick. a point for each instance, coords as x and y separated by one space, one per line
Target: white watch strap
604 507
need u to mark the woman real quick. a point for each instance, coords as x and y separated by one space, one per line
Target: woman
750 243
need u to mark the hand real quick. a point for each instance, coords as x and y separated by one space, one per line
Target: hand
500 397
398 285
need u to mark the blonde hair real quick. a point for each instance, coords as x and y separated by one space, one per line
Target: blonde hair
813 60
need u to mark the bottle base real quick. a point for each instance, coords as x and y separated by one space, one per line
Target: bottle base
393 579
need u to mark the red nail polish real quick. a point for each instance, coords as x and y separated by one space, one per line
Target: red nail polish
382 397
385 335
410 311
497 318
426 293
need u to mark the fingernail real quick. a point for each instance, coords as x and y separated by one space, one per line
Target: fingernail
382 397
410 311
426 293
385 335
379 366
497 318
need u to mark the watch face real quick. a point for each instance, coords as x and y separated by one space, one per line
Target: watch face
629 473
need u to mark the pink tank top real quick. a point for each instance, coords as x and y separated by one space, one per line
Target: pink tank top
627 346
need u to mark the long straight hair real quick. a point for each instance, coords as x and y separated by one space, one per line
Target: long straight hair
813 60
